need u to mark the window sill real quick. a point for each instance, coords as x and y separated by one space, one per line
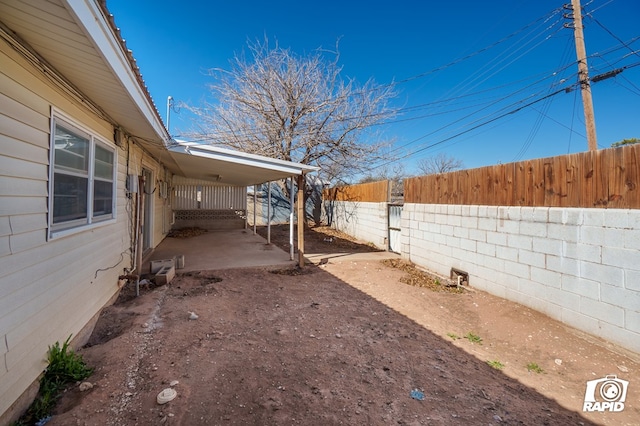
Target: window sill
61 233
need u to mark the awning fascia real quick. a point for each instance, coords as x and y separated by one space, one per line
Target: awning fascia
229 167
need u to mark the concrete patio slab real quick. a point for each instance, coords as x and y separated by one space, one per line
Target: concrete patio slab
220 249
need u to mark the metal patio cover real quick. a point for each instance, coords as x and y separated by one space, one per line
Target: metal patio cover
228 167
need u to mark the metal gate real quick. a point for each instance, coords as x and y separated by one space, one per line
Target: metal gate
394 215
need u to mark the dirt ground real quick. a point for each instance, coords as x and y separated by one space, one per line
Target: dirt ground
342 343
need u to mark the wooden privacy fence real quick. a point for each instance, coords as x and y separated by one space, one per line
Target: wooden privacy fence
604 178
373 192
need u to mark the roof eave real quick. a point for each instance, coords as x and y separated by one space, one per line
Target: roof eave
95 21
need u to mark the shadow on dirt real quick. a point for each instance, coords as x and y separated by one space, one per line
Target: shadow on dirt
318 239
284 348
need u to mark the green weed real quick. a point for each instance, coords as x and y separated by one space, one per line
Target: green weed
496 364
473 338
453 336
532 366
64 367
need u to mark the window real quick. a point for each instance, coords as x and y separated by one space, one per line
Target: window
82 184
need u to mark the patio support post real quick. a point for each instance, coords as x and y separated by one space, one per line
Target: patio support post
269 215
301 219
291 220
246 208
255 207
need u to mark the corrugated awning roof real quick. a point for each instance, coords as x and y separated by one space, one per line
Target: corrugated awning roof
228 167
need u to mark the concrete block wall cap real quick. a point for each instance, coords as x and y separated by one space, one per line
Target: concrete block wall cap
166 395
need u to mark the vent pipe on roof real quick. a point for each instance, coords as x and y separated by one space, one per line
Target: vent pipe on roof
169 105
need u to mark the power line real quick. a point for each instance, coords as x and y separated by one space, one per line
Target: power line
622 42
473 128
541 115
566 89
573 117
503 98
479 51
505 55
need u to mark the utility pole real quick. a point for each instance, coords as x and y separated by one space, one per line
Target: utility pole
583 76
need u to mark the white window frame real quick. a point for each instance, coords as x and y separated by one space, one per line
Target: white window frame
69 227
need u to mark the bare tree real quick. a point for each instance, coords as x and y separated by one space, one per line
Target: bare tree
393 173
297 108
441 163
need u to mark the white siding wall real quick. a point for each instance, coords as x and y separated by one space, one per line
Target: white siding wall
48 289
580 266
160 220
365 221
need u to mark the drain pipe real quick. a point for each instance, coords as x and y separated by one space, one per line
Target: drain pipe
129 272
139 232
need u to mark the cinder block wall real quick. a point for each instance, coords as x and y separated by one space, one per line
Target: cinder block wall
364 221
580 266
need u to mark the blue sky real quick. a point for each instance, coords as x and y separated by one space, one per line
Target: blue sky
471 76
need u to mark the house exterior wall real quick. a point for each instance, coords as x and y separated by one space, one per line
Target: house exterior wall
49 289
580 266
364 220
160 220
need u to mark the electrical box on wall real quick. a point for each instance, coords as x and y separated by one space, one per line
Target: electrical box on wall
117 137
163 190
132 184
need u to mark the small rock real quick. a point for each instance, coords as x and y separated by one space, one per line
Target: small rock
145 325
193 316
558 361
173 383
338 336
85 386
497 418
623 369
